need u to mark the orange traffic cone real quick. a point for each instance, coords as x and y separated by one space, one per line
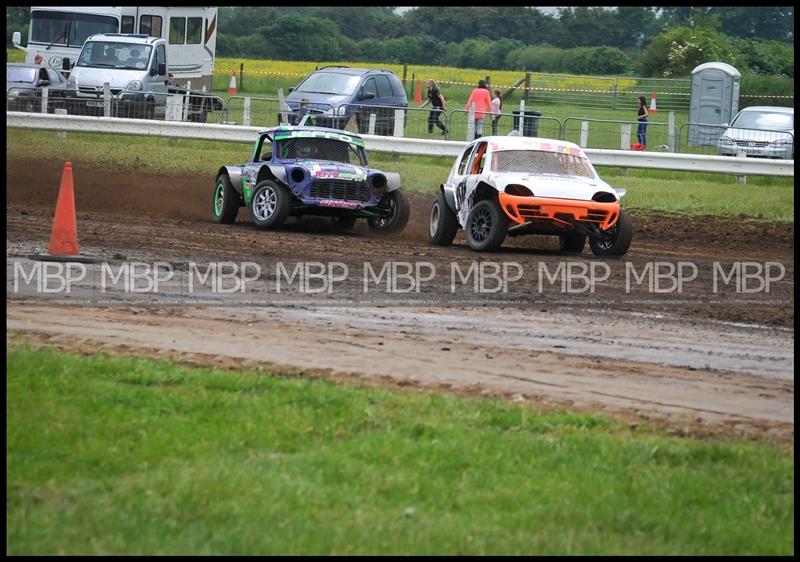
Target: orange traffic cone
418 93
232 85
652 102
64 237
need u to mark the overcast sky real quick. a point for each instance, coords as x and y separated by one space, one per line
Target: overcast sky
545 9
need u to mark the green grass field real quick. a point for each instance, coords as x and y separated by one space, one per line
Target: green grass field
133 456
768 198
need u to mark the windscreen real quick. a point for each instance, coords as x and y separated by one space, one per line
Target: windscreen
305 148
20 74
105 54
329 83
64 28
764 120
539 162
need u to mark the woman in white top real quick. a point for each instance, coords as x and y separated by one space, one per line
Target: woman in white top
497 105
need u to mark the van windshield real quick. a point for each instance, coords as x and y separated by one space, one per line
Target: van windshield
329 83
106 54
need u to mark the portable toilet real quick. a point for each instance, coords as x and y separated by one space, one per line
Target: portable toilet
714 100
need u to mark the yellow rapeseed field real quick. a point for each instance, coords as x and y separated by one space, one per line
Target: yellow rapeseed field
443 74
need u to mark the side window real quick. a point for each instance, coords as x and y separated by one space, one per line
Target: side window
160 58
43 74
177 31
370 87
194 31
54 77
150 25
263 149
127 24
479 159
384 87
462 166
397 87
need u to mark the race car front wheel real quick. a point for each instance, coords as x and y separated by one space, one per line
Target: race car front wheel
443 223
616 240
487 226
226 201
270 204
394 210
573 242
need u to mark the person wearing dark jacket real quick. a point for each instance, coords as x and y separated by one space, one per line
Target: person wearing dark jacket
436 99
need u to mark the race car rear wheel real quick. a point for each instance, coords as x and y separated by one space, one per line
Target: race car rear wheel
443 223
226 201
616 240
487 226
573 242
269 206
394 210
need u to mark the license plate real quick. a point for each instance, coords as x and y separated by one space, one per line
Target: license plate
94 103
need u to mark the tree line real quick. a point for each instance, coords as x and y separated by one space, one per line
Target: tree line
663 42
658 42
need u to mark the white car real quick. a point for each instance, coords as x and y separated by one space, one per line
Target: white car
506 186
760 132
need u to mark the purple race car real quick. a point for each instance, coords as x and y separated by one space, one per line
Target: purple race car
310 171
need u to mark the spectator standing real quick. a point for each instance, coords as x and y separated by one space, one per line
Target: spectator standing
483 104
641 133
436 99
497 106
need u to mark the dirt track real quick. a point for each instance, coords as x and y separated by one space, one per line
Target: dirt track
694 363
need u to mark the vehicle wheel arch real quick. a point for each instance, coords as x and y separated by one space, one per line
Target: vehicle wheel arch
484 191
269 172
449 197
234 174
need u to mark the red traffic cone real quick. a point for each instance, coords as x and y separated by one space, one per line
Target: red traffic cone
652 102
64 237
418 93
232 85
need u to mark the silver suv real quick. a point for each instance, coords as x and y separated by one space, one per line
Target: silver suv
760 132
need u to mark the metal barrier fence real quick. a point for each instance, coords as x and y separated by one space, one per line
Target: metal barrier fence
269 112
724 140
532 125
117 103
600 133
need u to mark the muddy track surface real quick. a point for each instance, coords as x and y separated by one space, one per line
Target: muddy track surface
700 363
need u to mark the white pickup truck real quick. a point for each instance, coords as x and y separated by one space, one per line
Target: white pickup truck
136 69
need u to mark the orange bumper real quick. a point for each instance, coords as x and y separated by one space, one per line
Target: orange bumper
563 211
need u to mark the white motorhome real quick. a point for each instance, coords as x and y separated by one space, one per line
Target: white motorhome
58 32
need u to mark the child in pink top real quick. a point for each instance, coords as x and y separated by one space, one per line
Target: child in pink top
483 104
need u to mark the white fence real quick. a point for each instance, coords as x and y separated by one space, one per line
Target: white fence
395 145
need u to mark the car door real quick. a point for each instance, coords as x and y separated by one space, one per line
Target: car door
455 186
469 181
157 80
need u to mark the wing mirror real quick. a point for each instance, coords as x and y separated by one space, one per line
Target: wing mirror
65 64
368 96
162 68
16 38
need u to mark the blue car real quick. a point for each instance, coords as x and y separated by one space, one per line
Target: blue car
337 94
303 170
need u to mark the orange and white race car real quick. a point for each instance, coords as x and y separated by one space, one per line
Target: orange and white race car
511 185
